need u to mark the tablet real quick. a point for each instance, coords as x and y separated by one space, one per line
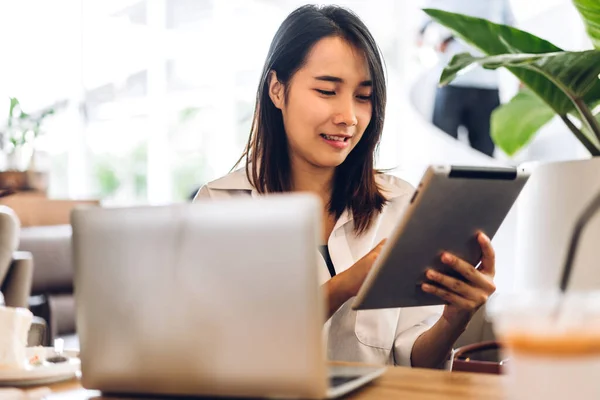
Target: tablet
449 206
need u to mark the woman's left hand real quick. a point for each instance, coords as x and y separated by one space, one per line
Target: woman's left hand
464 298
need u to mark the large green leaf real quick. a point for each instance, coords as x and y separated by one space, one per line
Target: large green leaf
590 11
495 39
583 133
575 73
515 123
13 103
587 133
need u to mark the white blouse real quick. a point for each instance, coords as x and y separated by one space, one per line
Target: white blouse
370 336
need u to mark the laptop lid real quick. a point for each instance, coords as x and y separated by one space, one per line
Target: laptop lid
206 298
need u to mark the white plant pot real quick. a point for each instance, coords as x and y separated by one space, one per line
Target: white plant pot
18 159
551 202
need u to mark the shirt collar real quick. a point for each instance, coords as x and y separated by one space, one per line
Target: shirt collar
237 180
388 189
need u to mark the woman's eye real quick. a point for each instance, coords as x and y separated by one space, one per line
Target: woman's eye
364 98
326 92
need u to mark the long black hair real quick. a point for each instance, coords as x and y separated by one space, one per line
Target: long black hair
267 154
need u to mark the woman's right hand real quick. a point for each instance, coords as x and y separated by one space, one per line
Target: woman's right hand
354 276
347 284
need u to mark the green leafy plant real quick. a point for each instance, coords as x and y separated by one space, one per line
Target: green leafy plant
115 175
106 178
557 82
22 128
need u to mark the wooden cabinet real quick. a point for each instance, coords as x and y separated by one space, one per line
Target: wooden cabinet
34 209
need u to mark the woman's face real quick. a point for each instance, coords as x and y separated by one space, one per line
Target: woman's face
328 104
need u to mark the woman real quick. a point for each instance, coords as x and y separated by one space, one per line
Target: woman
317 122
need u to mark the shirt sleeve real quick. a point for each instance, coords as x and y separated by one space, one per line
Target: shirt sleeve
435 33
508 18
412 323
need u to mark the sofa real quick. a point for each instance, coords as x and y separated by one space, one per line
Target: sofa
46 235
16 273
52 283
16 268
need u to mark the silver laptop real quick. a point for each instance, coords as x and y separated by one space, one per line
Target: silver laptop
215 298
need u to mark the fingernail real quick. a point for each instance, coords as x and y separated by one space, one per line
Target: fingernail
426 287
431 274
446 258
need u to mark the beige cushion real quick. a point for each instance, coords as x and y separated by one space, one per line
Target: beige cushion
17 283
51 249
9 238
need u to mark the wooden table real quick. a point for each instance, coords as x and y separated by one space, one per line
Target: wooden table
396 383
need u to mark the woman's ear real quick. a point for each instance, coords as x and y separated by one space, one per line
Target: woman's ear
276 90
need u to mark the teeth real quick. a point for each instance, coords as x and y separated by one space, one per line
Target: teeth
336 138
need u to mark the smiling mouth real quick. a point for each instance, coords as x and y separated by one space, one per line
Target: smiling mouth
335 138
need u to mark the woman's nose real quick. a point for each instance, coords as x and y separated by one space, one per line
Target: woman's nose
345 113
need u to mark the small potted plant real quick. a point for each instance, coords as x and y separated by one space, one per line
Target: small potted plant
18 143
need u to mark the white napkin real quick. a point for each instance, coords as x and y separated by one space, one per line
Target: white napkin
18 394
14 326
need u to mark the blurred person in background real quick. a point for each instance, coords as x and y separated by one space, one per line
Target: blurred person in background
470 99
